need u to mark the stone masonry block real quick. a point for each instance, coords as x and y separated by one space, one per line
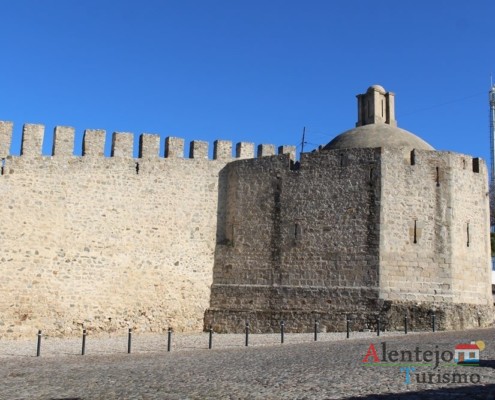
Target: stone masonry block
198 149
174 147
244 150
149 145
265 150
32 139
222 150
6 129
94 142
291 150
122 144
63 141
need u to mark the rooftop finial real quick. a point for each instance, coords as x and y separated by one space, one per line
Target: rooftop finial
376 106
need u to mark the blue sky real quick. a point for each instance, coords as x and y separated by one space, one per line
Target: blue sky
256 71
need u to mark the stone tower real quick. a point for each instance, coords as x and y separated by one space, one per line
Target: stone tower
376 224
376 106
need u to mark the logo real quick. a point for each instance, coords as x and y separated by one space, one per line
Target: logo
410 361
469 353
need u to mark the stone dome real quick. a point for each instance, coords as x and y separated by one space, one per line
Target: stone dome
378 88
377 135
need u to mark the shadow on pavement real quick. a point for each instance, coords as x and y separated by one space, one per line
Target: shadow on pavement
478 392
487 363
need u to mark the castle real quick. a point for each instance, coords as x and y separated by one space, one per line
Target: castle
376 223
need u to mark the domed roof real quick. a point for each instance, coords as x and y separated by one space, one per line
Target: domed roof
377 87
377 135
376 125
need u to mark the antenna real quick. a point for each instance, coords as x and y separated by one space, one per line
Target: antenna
491 95
302 141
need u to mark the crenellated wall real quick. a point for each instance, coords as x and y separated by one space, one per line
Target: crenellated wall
107 242
153 241
63 142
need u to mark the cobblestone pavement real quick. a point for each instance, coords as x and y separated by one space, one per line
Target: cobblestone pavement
331 368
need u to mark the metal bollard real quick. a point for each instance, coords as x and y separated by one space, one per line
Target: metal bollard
210 340
247 333
433 321
38 346
83 350
378 326
129 340
405 324
169 339
282 331
348 323
316 330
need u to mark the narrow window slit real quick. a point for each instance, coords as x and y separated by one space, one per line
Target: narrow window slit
413 158
438 177
467 234
137 168
415 237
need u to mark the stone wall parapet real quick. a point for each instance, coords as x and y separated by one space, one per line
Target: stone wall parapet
62 142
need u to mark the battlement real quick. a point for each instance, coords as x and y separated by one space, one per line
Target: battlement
151 193
34 140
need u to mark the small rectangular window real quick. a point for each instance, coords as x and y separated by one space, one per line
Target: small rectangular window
476 165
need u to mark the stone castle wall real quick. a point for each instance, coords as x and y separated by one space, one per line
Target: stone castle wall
434 227
471 247
358 231
298 241
417 241
107 242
